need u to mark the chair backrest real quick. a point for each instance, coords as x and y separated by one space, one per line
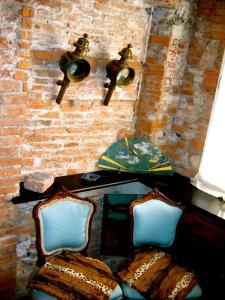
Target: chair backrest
154 220
63 223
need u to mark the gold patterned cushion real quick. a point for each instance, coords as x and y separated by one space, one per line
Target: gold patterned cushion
70 276
155 275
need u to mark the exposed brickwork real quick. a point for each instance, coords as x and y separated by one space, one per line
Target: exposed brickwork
11 126
179 82
36 133
153 73
199 84
65 139
179 78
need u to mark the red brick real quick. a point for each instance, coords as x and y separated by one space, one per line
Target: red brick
38 104
3 42
192 61
47 55
25 87
197 144
210 84
212 73
206 3
28 35
11 131
10 161
13 111
160 39
27 11
195 53
217 19
15 99
23 35
23 64
195 43
50 115
171 109
176 90
220 11
8 190
4 74
10 86
9 151
217 27
177 129
24 45
9 172
26 24
203 12
188 76
12 121
9 181
23 53
173 155
186 91
20 75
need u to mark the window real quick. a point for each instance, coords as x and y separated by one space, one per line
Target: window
211 175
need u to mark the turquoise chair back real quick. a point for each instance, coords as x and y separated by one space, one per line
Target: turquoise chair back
63 223
154 220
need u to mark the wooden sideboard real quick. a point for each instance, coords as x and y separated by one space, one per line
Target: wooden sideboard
204 248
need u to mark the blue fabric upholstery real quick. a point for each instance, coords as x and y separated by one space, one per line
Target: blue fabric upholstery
195 293
64 225
155 223
133 294
117 293
39 295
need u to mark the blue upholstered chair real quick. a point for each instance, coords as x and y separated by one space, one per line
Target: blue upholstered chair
154 221
63 226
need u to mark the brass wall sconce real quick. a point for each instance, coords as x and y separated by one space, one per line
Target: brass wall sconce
119 72
74 66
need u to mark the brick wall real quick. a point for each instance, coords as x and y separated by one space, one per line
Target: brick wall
179 79
12 113
199 83
36 133
69 138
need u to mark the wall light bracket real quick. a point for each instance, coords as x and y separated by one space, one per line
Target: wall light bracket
74 66
119 73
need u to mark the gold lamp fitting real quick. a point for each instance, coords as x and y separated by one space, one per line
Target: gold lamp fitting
119 72
74 66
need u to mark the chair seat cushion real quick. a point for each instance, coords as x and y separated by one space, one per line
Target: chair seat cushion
133 294
73 276
39 295
155 272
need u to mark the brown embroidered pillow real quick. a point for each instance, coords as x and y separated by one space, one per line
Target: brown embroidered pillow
176 285
146 270
70 276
